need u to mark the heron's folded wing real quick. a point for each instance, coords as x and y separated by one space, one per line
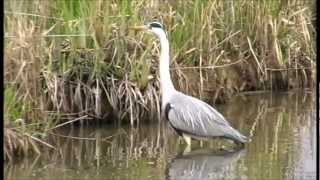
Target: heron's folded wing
193 116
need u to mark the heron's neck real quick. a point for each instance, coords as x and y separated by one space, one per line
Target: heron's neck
166 84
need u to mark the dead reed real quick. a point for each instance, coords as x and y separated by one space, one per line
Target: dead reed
78 58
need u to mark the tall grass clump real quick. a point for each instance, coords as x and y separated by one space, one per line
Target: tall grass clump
79 58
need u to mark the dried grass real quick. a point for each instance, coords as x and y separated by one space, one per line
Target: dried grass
78 59
18 144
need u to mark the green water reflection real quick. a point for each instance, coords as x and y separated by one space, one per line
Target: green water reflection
282 125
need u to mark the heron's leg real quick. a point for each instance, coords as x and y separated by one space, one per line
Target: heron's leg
201 143
179 140
187 139
187 150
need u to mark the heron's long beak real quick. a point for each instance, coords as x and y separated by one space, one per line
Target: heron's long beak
139 28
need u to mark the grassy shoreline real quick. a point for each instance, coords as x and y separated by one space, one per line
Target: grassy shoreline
78 58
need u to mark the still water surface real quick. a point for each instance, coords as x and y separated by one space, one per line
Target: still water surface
283 146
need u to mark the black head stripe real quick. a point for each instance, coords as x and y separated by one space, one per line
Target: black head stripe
156 25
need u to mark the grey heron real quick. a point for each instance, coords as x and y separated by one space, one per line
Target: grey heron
189 116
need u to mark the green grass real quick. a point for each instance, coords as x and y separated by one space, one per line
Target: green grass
79 57
86 47
13 107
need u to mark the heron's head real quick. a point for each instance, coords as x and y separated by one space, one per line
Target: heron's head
155 28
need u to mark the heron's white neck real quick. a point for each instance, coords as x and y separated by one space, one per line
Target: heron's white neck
166 84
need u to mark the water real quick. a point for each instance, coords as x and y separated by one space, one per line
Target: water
283 146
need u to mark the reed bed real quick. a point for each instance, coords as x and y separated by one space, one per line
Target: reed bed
78 58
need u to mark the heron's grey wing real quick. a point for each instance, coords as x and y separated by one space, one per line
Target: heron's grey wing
193 116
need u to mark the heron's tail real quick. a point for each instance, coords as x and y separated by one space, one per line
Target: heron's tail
242 139
237 137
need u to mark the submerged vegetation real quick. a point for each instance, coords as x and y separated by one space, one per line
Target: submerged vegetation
66 59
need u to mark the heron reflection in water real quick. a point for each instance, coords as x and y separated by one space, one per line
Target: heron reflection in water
204 164
189 116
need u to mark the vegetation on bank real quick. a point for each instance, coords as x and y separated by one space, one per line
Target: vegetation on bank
78 58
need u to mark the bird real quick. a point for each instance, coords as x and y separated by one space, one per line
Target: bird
189 116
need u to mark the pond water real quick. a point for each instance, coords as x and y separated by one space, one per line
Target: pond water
283 146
